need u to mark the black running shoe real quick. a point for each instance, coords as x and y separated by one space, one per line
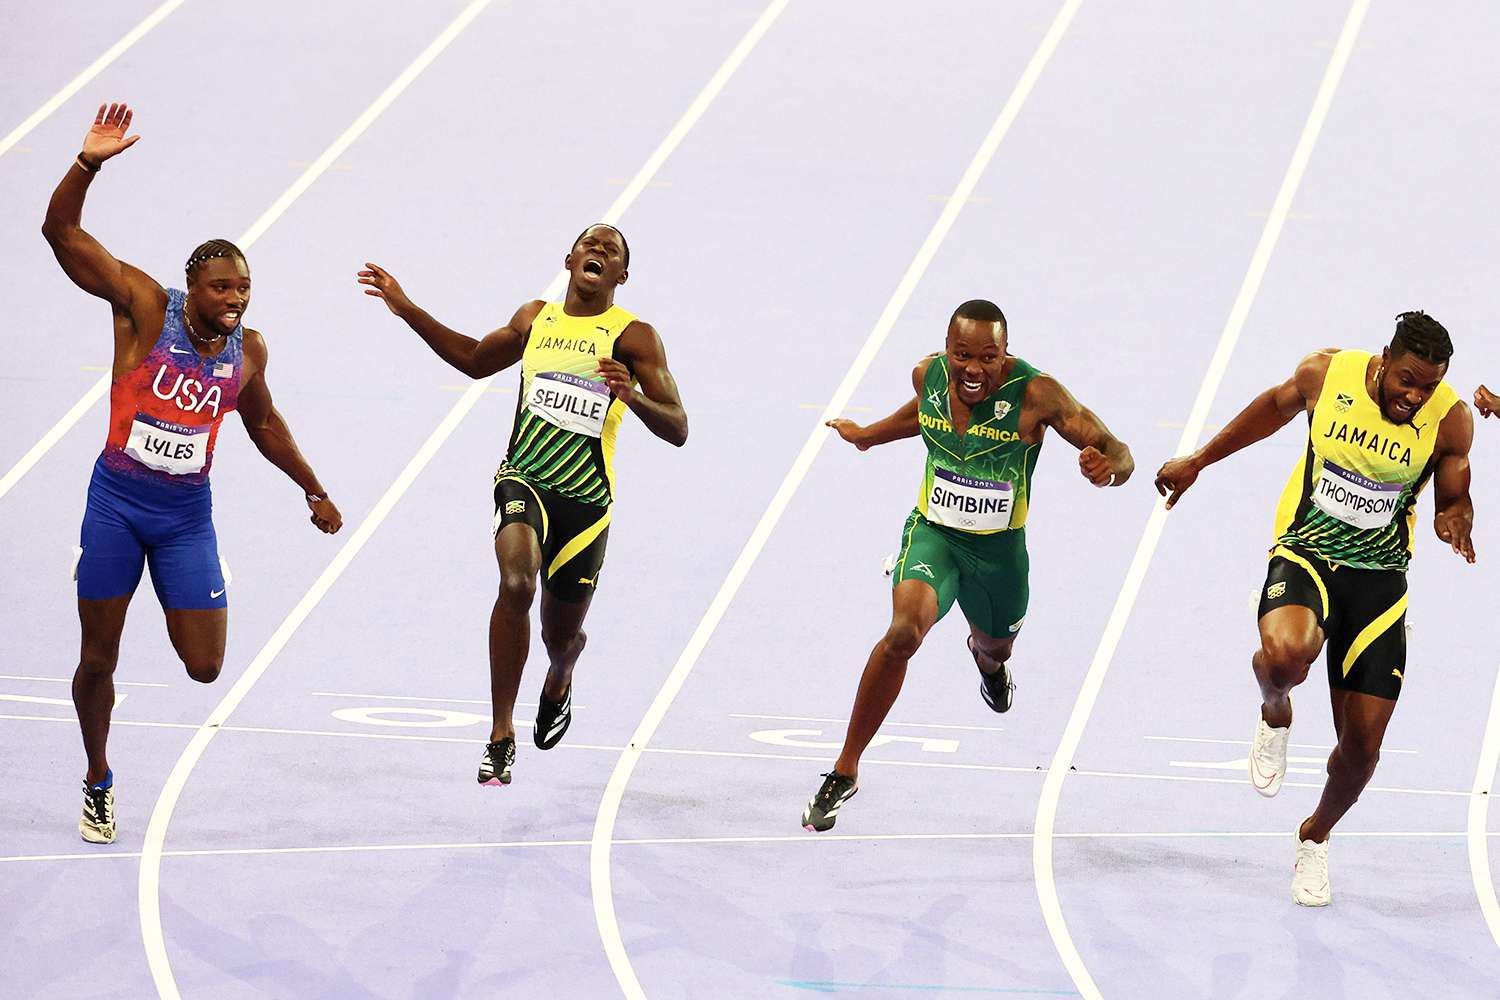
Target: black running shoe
494 766
552 720
997 689
823 810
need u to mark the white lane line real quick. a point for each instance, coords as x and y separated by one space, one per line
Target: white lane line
794 838
93 69
1478 821
1245 743
148 895
148 889
600 879
1046 813
258 228
743 754
392 697
912 725
69 680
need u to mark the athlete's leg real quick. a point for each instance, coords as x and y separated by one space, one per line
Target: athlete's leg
989 652
1290 640
520 558
189 582
1360 720
563 635
94 680
914 610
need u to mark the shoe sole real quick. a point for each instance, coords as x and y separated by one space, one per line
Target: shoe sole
1311 902
95 837
495 783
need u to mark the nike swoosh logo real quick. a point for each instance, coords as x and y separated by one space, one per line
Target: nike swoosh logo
1255 774
174 350
216 594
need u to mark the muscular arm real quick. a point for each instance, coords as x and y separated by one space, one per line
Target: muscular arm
482 358
1103 459
1267 413
896 427
128 290
1453 519
269 432
656 401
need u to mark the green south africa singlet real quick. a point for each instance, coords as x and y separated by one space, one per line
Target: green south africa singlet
566 419
979 483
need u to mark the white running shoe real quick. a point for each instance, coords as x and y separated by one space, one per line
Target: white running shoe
97 824
1310 877
1268 757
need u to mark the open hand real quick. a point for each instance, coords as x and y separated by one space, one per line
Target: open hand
1174 478
1455 528
106 138
850 431
379 283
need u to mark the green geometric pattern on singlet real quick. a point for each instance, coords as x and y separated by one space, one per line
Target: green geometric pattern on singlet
991 448
1325 536
564 462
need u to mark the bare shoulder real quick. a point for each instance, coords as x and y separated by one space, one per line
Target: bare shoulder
523 317
256 351
1456 431
1312 371
919 373
1046 396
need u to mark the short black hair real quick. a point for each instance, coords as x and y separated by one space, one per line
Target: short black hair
981 309
1418 333
623 241
210 250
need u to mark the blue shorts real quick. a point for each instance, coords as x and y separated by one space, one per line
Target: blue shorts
129 524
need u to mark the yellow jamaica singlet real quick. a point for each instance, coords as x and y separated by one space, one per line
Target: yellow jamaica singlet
566 419
1352 499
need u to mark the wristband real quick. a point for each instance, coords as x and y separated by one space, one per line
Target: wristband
84 165
315 498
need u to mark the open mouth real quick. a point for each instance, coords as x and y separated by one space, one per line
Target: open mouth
593 267
231 317
972 388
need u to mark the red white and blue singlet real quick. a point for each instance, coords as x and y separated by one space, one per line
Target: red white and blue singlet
149 499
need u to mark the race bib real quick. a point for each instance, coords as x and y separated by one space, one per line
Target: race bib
1355 500
969 504
569 402
168 447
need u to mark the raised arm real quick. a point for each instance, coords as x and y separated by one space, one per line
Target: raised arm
1453 519
269 432
84 260
1103 459
497 351
639 351
899 425
1266 414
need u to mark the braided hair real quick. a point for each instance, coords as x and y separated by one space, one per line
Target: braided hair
210 250
1418 333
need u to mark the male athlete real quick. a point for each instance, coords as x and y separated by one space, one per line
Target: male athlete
982 412
584 361
1379 427
182 362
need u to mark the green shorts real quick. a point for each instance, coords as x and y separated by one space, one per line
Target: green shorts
986 574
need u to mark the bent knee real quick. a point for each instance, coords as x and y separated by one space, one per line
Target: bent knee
903 639
98 662
517 590
1290 655
204 670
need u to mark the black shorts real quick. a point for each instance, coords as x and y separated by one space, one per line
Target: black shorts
572 535
1362 613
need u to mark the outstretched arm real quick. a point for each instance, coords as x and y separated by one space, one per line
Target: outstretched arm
84 260
497 351
1266 414
656 401
899 425
1453 519
1103 459
273 438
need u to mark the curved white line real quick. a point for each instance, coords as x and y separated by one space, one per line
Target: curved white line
148 890
609 807
1479 811
93 69
1046 812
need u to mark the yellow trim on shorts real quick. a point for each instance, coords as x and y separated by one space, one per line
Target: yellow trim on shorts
1374 631
536 496
578 543
906 548
1290 556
